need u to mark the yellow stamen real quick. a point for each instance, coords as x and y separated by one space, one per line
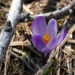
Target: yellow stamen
46 38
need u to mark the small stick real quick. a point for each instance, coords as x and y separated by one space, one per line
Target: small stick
27 9
71 41
6 62
20 43
66 9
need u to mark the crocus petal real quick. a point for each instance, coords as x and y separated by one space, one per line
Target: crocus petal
52 28
62 35
52 44
39 43
39 26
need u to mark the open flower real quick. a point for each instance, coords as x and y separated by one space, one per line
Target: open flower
45 37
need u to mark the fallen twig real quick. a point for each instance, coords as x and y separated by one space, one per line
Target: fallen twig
20 43
8 30
6 62
27 9
19 52
66 9
71 41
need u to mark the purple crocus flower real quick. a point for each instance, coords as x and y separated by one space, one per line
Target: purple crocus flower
44 37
